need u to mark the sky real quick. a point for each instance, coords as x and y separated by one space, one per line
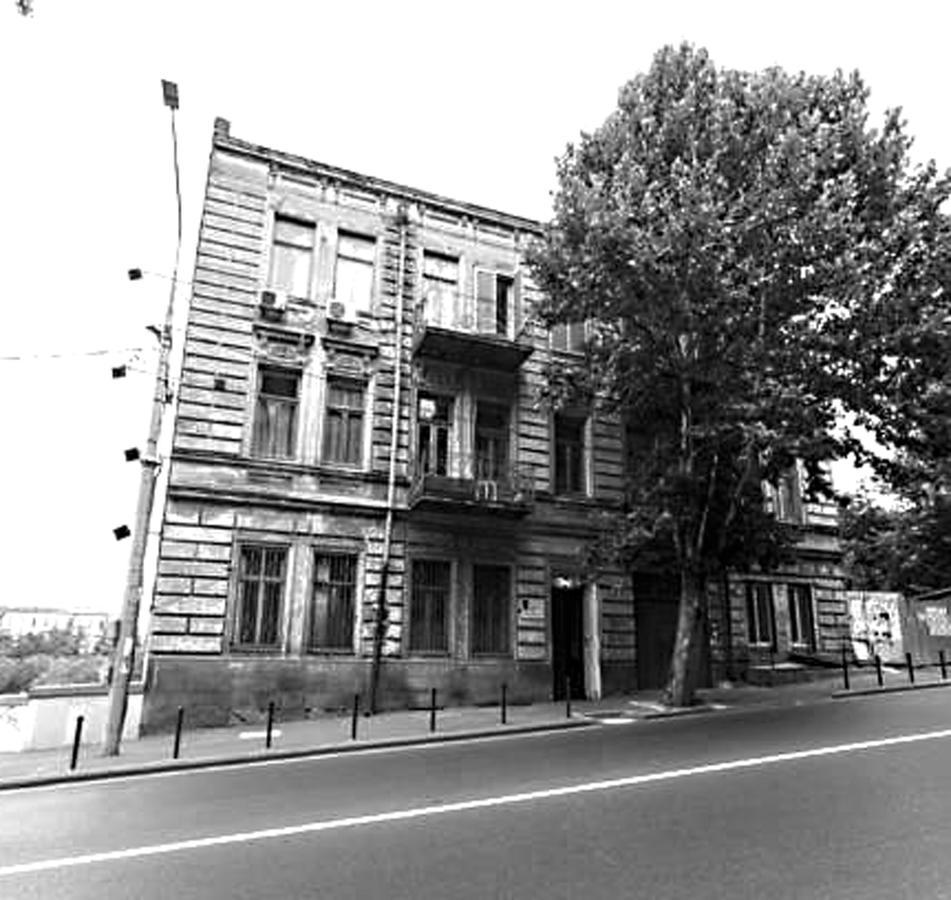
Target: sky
474 101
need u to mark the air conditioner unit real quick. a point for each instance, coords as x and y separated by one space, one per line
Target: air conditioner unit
487 490
274 302
337 310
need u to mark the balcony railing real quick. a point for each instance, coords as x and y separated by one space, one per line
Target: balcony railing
506 489
456 339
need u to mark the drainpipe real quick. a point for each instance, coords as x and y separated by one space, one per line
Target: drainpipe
379 632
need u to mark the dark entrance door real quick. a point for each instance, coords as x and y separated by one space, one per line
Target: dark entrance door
567 641
656 606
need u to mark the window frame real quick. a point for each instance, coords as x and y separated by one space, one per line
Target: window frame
445 317
435 425
568 331
507 613
254 449
583 461
755 592
347 412
235 619
343 235
276 241
317 553
498 276
804 600
413 613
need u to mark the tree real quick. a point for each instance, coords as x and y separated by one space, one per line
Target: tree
754 265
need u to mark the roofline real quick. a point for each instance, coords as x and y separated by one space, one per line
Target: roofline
224 141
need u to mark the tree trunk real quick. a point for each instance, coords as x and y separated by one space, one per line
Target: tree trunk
683 661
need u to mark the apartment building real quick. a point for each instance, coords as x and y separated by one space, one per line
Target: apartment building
364 486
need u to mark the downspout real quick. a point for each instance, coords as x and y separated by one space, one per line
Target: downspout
379 632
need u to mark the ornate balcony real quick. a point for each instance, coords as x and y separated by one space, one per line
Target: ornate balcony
502 490
461 343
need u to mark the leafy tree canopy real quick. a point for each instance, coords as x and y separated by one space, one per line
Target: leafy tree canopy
754 263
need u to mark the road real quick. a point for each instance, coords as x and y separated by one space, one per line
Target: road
847 799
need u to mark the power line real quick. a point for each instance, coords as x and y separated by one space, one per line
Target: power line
72 353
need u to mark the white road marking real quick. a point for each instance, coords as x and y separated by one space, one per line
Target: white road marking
420 812
257 735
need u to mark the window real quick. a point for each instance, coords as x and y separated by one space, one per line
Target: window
429 606
291 256
569 337
353 286
494 302
759 613
788 500
569 455
434 423
275 415
801 623
343 428
440 284
260 587
491 605
491 441
333 601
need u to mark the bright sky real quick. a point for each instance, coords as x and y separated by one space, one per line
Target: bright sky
473 101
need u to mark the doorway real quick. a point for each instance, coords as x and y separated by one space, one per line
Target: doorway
567 641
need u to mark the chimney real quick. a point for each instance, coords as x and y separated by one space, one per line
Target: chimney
222 127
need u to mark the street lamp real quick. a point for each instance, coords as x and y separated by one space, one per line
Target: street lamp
124 652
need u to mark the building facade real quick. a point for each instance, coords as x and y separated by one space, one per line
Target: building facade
364 486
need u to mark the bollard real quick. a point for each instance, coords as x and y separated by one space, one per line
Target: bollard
845 669
944 667
878 670
567 696
178 732
911 668
432 710
270 724
504 710
77 737
354 717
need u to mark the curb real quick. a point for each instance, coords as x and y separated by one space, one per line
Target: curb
208 762
843 694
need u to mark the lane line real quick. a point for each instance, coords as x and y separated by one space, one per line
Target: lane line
420 812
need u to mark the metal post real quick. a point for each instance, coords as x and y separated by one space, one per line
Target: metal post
270 724
845 669
178 732
944 666
911 668
567 696
504 709
432 710
354 716
77 737
124 658
878 670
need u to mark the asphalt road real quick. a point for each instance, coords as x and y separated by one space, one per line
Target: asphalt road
800 802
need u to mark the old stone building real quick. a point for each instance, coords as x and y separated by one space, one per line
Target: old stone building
364 485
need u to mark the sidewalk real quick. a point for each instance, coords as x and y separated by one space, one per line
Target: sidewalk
332 733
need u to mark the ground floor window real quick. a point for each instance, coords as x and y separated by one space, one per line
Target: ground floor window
260 591
429 606
802 629
333 601
760 624
491 609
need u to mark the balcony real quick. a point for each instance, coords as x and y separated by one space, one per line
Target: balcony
506 490
438 341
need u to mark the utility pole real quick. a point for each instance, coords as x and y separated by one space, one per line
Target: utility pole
124 654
